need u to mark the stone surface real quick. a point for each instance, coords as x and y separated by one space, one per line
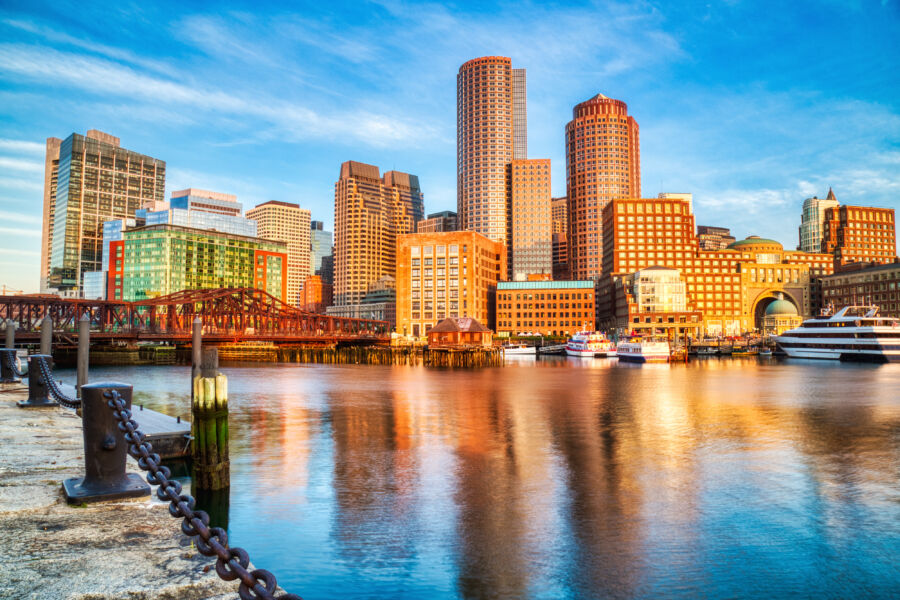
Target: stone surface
131 549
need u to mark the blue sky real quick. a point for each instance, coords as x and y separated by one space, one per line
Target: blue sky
752 106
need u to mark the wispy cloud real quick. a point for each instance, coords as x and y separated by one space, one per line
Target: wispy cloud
21 147
21 165
30 219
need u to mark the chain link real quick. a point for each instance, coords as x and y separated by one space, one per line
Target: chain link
231 563
52 387
9 357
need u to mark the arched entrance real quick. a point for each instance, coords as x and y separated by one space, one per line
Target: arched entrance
764 300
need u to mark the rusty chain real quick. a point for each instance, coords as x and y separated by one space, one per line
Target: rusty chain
9 357
52 387
231 563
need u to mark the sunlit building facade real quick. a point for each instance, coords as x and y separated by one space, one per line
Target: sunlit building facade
812 222
530 245
860 234
448 274
370 211
286 222
603 162
552 308
867 285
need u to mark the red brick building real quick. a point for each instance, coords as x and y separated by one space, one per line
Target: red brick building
860 234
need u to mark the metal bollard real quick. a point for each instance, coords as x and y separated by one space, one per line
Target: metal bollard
105 451
10 333
84 343
47 335
38 393
7 363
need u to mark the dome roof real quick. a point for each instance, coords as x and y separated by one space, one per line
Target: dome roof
781 307
755 240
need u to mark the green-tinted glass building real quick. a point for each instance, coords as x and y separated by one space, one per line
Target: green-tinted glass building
163 259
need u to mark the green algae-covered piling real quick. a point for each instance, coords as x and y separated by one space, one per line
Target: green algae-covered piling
211 467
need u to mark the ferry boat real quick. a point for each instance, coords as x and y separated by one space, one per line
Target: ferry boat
643 350
854 333
589 344
519 350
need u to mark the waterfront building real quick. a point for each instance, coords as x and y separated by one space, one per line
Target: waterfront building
780 316
158 260
860 234
491 123
439 221
714 238
459 331
191 211
603 162
322 245
545 307
288 223
726 291
317 295
864 284
812 222
530 244
559 215
88 180
446 274
370 211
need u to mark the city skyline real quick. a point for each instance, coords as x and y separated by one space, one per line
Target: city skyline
751 142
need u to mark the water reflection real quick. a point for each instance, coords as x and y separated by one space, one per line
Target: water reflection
564 478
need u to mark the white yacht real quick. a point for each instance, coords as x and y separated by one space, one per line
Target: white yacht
519 350
641 349
589 344
853 333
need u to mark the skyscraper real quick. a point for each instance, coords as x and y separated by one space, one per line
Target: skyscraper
287 222
530 241
491 131
90 181
321 242
370 211
603 163
812 220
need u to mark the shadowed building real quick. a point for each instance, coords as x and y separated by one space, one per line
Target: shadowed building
439 221
603 162
369 213
714 238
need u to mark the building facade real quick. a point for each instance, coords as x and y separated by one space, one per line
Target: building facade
530 244
552 308
603 162
448 274
491 131
317 295
197 200
727 291
91 180
714 238
370 212
439 221
200 219
812 222
860 234
559 215
876 284
162 259
287 223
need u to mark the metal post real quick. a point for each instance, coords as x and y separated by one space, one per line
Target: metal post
46 335
38 393
84 343
7 366
105 451
196 350
10 333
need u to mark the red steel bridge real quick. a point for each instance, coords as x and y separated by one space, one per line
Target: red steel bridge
229 315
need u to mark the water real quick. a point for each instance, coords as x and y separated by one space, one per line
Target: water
723 478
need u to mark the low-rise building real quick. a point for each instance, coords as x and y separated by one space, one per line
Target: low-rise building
552 308
459 331
874 284
157 260
446 274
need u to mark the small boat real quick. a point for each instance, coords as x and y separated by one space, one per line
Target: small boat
707 351
590 344
765 352
746 351
519 350
643 350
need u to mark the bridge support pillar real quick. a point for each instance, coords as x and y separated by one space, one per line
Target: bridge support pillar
105 451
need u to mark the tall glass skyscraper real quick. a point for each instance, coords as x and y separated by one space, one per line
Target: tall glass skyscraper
89 180
322 243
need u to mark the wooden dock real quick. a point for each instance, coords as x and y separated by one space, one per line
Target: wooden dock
170 436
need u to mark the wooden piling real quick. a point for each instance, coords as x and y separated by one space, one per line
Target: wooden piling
211 465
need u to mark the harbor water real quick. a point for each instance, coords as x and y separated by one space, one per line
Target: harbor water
561 478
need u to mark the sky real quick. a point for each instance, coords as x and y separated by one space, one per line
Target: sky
751 106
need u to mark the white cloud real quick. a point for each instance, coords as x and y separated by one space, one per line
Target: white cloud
6 217
21 165
22 147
